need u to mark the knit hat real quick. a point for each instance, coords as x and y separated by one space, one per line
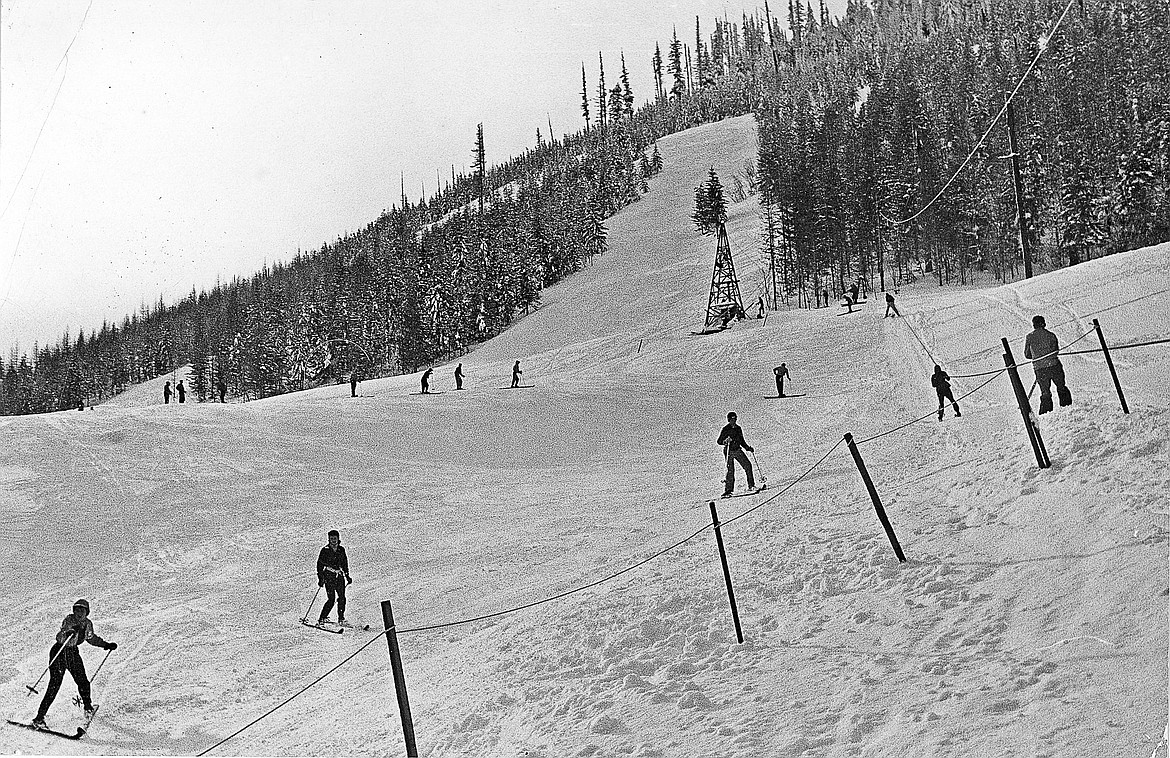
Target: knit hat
82 603
334 533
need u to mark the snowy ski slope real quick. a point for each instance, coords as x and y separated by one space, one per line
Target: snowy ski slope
1030 619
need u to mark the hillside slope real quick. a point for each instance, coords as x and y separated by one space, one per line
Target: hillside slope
1030 619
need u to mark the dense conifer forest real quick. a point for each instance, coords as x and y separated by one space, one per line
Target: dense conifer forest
863 120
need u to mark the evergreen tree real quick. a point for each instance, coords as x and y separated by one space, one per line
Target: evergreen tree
584 98
710 205
675 69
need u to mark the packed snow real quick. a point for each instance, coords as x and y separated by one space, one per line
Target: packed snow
1029 620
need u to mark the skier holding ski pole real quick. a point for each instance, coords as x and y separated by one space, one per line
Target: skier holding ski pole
333 575
731 438
64 654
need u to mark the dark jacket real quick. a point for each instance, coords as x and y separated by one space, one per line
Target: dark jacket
941 381
732 436
332 564
75 630
889 298
1041 342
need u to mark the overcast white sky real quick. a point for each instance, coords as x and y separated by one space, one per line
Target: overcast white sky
149 147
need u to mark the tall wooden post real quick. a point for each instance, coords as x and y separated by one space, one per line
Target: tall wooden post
1018 183
399 680
1025 407
873 495
726 573
1109 363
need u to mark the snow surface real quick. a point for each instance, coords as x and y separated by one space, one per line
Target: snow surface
1030 619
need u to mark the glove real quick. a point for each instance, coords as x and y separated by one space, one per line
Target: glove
349 580
112 646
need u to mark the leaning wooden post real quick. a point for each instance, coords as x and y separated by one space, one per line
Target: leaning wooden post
726 573
1109 363
873 495
399 680
1025 407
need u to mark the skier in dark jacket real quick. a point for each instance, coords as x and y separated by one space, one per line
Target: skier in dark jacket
890 306
426 381
1042 346
941 381
221 388
167 393
731 438
855 290
781 373
516 374
64 654
182 391
353 383
459 377
333 575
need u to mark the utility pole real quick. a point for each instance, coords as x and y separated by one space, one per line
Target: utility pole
1019 186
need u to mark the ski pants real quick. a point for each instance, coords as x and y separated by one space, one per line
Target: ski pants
70 658
458 382
737 455
1045 377
944 394
780 386
894 308
335 593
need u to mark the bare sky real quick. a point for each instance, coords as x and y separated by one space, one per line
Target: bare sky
150 147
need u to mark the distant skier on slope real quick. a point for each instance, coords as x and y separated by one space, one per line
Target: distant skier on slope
353 383
182 391
781 372
459 377
760 305
516 374
941 381
221 387
167 393
1042 346
890 305
854 290
64 654
426 381
731 438
333 575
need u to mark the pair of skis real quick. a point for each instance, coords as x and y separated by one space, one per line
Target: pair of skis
81 730
339 630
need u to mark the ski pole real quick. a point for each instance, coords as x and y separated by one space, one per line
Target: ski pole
311 602
92 679
32 688
760 470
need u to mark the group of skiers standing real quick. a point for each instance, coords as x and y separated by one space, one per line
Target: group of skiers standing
181 392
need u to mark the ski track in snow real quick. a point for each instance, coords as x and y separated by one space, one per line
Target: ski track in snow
1030 619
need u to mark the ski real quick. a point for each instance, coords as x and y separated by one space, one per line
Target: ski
78 735
780 397
745 493
519 387
311 625
428 393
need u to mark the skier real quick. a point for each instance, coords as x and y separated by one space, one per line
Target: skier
182 391
781 372
890 306
760 304
221 387
516 374
167 393
731 438
941 381
1042 346
353 382
848 301
459 377
64 654
826 294
426 381
854 290
333 575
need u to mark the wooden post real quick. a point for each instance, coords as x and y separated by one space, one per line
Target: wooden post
1018 183
399 680
639 347
1109 363
1025 407
726 573
873 495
